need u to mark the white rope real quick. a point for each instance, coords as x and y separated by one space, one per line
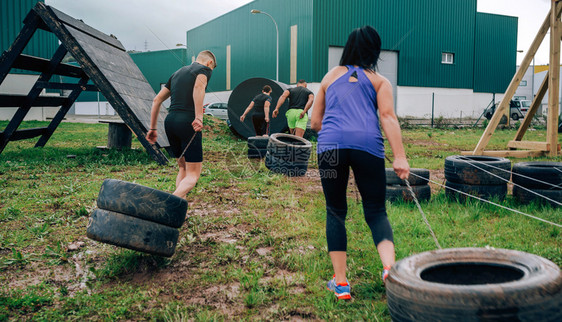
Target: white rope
490 202
423 214
520 186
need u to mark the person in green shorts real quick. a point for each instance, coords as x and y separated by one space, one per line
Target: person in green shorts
300 101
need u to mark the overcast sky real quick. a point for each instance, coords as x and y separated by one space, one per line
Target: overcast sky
163 24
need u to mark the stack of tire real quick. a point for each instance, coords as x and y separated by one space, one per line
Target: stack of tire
533 180
396 188
137 217
257 146
288 154
485 177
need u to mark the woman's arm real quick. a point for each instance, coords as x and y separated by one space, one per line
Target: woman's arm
391 128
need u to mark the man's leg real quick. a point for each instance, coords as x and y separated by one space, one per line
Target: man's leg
299 132
300 125
193 172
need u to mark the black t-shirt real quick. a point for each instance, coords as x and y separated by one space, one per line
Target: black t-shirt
181 85
259 103
298 97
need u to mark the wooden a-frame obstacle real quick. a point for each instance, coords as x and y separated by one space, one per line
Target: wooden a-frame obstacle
102 59
552 79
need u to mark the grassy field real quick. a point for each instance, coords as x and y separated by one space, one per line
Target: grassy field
253 246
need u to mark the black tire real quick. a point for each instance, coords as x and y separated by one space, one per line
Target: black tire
289 147
483 191
288 168
397 192
142 202
133 233
414 178
474 284
471 169
258 142
548 172
525 196
514 116
256 153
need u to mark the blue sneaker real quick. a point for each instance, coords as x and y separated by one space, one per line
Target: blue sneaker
341 290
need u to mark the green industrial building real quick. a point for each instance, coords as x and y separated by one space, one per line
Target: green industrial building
432 49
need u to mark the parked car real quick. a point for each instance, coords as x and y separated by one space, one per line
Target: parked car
218 110
525 106
514 110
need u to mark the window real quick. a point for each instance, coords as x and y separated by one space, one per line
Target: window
523 83
447 58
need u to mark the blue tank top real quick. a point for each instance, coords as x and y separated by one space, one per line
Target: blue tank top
350 118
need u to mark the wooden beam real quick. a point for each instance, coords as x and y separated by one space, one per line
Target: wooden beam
532 110
20 100
38 64
9 56
553 80
61 113
529 145
25 134
509 153
67 86
504 105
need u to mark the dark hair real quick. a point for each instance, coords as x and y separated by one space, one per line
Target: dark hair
266 89
301 81
363 48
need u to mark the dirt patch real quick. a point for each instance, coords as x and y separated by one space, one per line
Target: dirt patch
437 176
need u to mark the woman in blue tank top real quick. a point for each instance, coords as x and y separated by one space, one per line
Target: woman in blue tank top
352 101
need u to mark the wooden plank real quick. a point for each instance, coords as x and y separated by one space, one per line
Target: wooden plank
529 145
9 56
80 25
25 134
509 153
20 100
533 109
67 86
504 105
61 113
553 80
38 64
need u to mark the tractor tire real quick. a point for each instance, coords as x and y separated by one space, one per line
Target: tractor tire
289 147
142 202
477 169
474 284
397 192
538 174
482 191
133 233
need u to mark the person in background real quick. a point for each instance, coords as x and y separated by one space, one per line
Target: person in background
300 101
260 118
184 122
345 116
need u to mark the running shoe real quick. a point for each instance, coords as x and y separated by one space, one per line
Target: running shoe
341 290
385 272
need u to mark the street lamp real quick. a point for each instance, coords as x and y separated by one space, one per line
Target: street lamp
254 11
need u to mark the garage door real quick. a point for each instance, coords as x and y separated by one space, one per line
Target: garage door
387 66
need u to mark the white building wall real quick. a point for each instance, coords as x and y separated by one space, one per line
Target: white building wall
20 84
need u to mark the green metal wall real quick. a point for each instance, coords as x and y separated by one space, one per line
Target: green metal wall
253 41
12 12
158 66
419 30
495 52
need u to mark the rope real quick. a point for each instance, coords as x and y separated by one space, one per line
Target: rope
493 203
422 213
188 144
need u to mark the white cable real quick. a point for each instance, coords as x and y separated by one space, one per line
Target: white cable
490 202
423 214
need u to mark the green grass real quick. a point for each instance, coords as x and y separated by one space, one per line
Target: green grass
253 246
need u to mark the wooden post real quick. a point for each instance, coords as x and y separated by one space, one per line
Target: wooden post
553 81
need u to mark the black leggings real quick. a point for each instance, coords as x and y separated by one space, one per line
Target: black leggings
260 125
371 180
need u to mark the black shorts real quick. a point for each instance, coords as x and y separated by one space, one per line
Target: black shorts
180 131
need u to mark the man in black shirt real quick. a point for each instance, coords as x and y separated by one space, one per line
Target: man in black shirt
300 101
260 118
184 122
